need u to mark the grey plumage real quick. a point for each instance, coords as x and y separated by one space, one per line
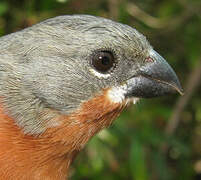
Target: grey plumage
47 66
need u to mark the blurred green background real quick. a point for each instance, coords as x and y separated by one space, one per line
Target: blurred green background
157 138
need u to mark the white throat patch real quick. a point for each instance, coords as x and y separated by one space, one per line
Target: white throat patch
117 95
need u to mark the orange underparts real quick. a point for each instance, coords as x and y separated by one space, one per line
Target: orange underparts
49 155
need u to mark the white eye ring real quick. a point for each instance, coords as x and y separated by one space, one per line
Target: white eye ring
99 75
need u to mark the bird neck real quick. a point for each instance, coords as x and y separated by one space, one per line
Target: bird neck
49 155
30 157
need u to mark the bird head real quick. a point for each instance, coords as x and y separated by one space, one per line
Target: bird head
65 79
66 61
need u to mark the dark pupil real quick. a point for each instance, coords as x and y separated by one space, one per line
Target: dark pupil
103 61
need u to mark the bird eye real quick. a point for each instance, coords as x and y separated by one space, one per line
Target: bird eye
103 61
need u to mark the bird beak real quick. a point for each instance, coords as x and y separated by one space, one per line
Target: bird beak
154 78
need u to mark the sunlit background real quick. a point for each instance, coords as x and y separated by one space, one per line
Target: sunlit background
157 138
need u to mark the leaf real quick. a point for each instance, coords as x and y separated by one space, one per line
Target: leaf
137 161
3 8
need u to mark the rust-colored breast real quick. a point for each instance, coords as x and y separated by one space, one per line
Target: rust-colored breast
49 155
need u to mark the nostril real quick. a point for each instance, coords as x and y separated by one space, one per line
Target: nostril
149 60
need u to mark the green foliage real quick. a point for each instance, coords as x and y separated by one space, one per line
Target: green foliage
137 160
133 148
3 8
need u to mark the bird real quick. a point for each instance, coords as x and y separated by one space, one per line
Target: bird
65 79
